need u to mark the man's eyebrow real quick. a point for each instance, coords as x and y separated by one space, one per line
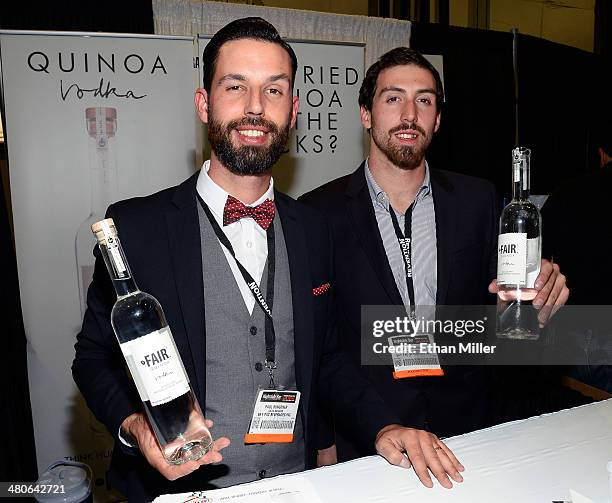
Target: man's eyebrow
280 76
403 91
392 89
231 76
430 90
241 78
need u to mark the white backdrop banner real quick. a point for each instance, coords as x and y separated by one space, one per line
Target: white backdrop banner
327 141
90 119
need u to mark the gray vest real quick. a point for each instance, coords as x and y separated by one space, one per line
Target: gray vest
235 352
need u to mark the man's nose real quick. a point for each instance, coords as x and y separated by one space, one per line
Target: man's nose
409 113
254 104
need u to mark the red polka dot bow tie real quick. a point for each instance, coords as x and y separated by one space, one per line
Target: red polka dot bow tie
234 210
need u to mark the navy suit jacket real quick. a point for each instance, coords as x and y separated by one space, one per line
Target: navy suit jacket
161 238
466 213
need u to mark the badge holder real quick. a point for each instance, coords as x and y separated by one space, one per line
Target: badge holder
411 361
274 416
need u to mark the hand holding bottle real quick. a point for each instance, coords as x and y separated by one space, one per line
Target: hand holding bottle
552 291
137 427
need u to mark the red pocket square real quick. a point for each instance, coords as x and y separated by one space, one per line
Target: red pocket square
321 289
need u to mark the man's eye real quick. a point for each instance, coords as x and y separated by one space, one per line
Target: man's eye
274 91
234 88
392 99
427 101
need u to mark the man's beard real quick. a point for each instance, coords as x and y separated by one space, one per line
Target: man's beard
403 156
246 159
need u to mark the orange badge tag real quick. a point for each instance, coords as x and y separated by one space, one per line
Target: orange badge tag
274 417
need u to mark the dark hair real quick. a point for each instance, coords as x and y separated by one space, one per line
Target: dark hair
254 28
397 57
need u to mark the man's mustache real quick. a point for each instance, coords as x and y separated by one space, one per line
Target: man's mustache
407 128
253 121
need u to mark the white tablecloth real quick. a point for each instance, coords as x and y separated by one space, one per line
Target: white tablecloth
535 460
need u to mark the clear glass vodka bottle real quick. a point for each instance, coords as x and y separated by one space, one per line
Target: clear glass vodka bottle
519 256
101 125
153 358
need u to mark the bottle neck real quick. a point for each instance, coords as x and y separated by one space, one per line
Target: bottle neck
521 179
118 268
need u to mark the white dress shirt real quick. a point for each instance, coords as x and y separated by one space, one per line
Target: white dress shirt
246 236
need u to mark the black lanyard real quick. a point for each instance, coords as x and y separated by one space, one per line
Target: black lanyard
265 304
405 244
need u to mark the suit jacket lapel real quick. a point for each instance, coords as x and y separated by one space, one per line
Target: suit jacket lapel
301 293
365 225
186 255
445 230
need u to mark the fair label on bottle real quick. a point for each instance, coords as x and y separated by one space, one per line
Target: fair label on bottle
274 417
534 261
512 258
156 367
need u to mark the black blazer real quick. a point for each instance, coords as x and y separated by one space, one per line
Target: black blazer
466 232
161 238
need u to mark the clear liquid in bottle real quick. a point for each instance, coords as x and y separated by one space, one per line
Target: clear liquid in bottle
153 359
519 256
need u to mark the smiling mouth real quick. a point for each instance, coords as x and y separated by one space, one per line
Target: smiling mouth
407 136
251 133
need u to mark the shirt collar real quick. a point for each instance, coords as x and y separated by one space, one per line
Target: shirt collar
380 197
215 197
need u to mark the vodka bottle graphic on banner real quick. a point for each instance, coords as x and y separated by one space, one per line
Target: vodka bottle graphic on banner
101 124
519 256
153 358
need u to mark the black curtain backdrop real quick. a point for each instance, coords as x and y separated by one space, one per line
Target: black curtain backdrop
563 96
603 28
18 454
563 99
18 458
477 129
127 16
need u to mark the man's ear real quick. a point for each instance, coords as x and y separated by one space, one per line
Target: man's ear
366 118
438 117
201 104
295 107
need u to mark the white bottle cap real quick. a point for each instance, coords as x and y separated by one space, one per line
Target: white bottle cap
104 230
98 226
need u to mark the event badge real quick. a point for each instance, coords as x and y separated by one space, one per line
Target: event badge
412 358
274 417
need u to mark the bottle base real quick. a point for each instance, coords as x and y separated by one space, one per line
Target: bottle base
517 320
190 451
518 334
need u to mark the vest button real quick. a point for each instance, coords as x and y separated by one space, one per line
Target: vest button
258 366
262 474
253 330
